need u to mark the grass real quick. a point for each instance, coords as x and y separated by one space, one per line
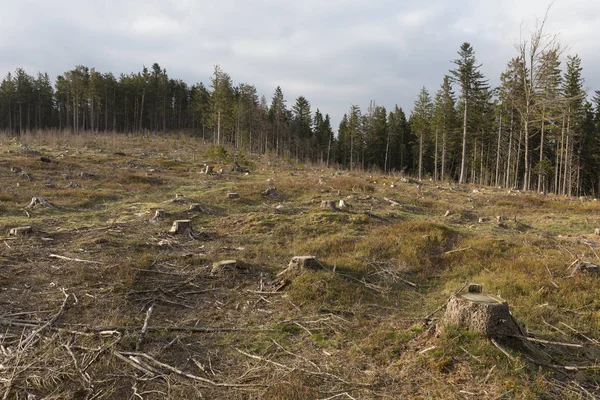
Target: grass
356 327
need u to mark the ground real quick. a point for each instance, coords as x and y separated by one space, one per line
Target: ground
76 292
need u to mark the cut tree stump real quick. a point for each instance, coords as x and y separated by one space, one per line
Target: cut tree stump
481 313
182 226
297 266
196 207
158 215
271 192
233 196
597 231
21 231
38 200
329 204
223 266
342 204
585 268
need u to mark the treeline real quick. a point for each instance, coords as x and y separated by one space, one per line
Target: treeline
84 99
535 131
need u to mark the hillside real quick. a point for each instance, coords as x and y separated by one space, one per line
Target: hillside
77 290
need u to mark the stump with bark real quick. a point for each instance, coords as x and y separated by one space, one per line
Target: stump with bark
158 216
222 267
38 200
481 313
271 192
21 231
196 207
585 268
329 204
182 226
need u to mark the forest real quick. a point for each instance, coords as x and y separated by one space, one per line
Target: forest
537 130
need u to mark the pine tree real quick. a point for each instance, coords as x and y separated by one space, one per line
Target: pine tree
470 81
421 123
444 123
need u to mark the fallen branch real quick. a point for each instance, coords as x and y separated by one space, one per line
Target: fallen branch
140 341
29 340
457 250
287 368
531 339
74 259
186 374
506 353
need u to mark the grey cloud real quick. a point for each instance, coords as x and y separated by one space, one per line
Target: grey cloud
336 52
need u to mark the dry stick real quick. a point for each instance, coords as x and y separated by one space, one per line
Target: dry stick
593 251
14 372
532 339
29 340
133 363
85 376
506 353
113 330
594 341
185 374
74 259
140 341
565 367
457 250
332 376
296 355
488 374
504 394
553 327
551 278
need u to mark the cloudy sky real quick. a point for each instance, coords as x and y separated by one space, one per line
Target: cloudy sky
334 52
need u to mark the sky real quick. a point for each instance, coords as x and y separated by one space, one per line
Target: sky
333 52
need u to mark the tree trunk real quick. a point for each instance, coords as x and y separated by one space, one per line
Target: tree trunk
498 151
464 146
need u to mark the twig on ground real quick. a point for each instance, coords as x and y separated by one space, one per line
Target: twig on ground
73 259
140 342
186 374
506 353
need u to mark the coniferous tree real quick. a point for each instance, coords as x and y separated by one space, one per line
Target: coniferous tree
470 80
420 122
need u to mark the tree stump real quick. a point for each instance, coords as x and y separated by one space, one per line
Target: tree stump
342 204
297 266
223 266
481 313
329 204
208 169
271 192
597 231
182 226
38 200
158 215
585 268
306 262
196 207
21 231
233 196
